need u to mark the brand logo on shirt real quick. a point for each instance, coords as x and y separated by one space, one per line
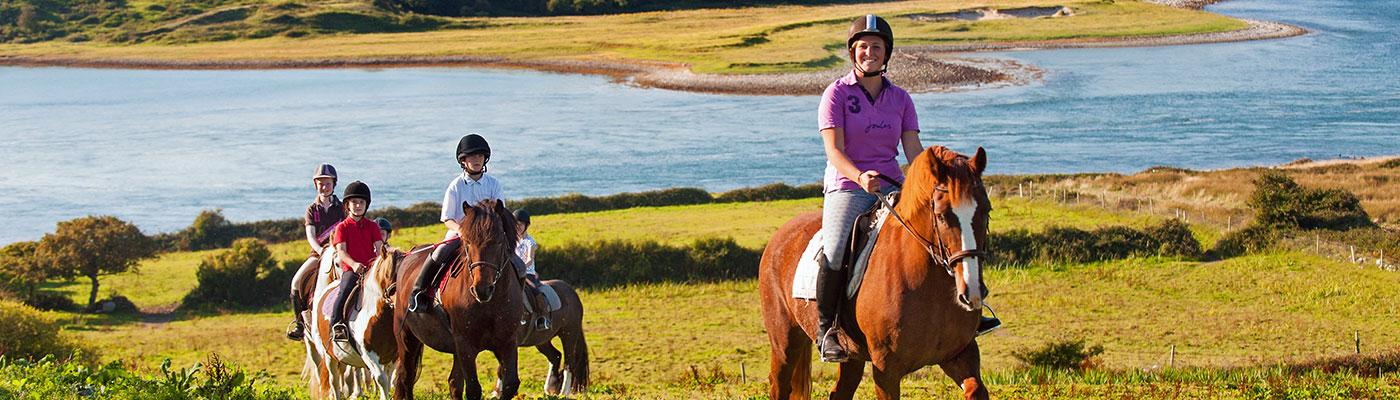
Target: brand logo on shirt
877 125
853 104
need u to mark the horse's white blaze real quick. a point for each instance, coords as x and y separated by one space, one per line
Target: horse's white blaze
971 270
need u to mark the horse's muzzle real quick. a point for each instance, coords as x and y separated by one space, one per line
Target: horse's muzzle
490 292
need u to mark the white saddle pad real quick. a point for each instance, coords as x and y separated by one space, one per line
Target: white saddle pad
551 297
804 281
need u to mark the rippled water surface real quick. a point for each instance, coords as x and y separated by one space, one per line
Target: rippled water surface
156 147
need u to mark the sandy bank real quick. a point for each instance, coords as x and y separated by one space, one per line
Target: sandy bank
923 68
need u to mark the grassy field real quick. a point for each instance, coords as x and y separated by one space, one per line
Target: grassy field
749 40
705 340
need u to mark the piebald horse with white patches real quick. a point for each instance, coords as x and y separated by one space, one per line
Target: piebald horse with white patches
920 301
371 326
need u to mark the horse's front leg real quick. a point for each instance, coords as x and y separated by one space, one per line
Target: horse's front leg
463 378
848 379
966 370
508 378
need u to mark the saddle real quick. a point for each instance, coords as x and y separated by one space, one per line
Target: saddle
860 243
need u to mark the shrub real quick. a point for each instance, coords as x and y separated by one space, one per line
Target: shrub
620 262
214 379
241 277
1174 239
1073 245
52 302
1393 163
1279 202
1252 239
26 333
1063 354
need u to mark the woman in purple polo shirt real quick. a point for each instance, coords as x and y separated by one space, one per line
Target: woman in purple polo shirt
864 120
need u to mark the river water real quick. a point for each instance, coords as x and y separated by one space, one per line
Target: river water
156 147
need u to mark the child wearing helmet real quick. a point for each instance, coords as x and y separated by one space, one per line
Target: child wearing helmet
525 251
385 229
321 218
864 120
357 241
471 187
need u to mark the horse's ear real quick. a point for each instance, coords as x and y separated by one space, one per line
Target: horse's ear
935 160
979 161
466 206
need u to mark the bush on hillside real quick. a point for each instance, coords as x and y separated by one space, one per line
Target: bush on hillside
1073 245
1280 202
26 333
1070 354
244 276
1251 239
1393 163
52 302
621 262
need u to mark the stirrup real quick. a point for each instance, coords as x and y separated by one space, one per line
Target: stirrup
839 354
995 322
541 324
415 303
340 332
295 331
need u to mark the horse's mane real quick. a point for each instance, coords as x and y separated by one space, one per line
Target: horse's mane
485 224
386 266
937 165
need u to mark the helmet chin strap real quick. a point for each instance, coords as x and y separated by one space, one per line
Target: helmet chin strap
470 172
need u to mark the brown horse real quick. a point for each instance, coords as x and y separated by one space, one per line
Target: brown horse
920 301
568 371
480 312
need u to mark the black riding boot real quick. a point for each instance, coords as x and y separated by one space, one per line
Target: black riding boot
829 291
421 299
349 282
297 329
987 324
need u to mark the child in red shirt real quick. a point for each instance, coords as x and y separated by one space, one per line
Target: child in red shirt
357 241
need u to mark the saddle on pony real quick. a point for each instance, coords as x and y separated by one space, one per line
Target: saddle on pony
856 254
538 304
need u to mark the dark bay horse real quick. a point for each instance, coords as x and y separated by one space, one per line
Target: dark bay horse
921 298
483 313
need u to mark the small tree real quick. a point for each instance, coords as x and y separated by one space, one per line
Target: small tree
92 246
21 267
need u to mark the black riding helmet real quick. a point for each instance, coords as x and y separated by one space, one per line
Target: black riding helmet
870 24
384 224
472 144
356 189
522 216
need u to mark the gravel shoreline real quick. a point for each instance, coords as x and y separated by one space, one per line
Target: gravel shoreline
924 68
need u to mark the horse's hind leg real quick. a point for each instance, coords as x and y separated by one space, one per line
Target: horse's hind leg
887 383
848 379
966 370
790 368
552 379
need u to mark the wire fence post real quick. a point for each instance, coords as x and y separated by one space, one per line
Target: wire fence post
1171 361
1358 342
1353 254
1020 191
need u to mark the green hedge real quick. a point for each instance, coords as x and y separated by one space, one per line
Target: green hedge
1280 202
1171 238
622 262
211 231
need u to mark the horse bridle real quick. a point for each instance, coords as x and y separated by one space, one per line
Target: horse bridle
474 265
940 257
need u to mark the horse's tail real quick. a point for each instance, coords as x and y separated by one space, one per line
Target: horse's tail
576 359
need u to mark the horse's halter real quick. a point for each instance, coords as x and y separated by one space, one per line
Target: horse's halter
474 265
940 257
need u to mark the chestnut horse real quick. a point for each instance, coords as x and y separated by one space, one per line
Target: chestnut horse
920 301
482 314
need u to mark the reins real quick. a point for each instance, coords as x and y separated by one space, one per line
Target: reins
942 259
